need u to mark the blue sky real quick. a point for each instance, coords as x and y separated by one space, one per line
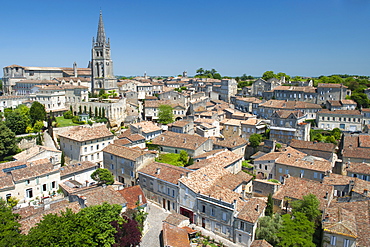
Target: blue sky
166 37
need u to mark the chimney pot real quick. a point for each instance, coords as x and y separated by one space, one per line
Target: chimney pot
158 171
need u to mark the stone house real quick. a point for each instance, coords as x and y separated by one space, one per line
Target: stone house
39 152
319 149
345 120
130 140
355 148
359 170
366 113
146 128
345 104
160 184
11 101
292 93
78 171
260 86
172 142
182 126
231 128
331 91
236 145
245 104
151 109
86 143
124 162
51 96
289 125
29 182
252 126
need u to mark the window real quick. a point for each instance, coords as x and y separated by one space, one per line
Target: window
173 193
111 157
280 170
132 174
266 168
224 216
44 187
91 148
315 175
286 171
242 225
333 240
203 209
97 146
53 185
302 173
168 191
111 166
346 243
29 193
27 182
123 171
321 176
85 149
212 212
92 157
37 180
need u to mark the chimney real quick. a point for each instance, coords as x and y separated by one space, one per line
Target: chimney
46 206
365 192
162 138
288 155
140 199
257 207
158 171
326 195
184 140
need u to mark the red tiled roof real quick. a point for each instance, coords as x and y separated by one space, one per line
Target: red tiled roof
132 195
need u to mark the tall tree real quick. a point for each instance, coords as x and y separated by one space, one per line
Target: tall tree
85 109
127 233
9 226
103 112
255 140
37 112
96 112
270 206
200 71
268 227
90 112
102 176
165 114
16 122
62 159
309 206
296 231
8 145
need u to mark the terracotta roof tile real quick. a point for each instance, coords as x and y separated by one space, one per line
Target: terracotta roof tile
99 195
124 152
175 236
320 146
260 243
77 167
165 172
147 126
223 158
231 142
87 133
178 140
250 209
340 112
132 195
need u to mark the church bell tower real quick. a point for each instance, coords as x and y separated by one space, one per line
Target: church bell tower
101 62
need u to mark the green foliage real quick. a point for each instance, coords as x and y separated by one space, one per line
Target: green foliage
274 181
361 100
62 122
37 112
281 74
309 206
102 176
38 126
12 202
165 114
245 77
268 75
326 135
16 122
268 228
8 145
296 231
255 140
170 158
9 226
336 133
140 216
89 227
270 206
39 139
183 157
201 73
245 163
242 84
62 159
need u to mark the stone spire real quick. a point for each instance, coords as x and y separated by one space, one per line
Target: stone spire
100 37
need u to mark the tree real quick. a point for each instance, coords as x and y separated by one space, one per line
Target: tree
268 227
270 206
16 122
165 114
9 226
103 112
268 75
255 140
85 109
96 112
361 100
68 115
183 157
281 74
80 109
99 113
37 112
38 126
127 233
309 206
39 139
8 145
200 71
217 76
89 227
90 112
102 176
62 159
296 231
337 133
71 109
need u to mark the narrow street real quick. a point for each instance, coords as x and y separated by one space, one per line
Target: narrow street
48 141
155 217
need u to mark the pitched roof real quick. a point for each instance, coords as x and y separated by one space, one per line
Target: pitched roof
319 146
132 195
99 195
34 169
77 167
250 209
6 182
179 140
146 126
165 172
334 85
124 152
175 236
260 243
291 105
223 158
33 151
296 188
339 221
361 210
87 133
362 168
358 185
340 112
231 142
286 113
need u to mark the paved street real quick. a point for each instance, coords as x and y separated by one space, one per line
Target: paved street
48 142
155 217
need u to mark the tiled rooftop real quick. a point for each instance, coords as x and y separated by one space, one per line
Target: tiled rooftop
260 243
175 236
124 152
231 142
77 167
320 146
340 112
87 133
223 159
132 195
147 126
339 221
165 172
99 195
177 140
296 188
361 168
